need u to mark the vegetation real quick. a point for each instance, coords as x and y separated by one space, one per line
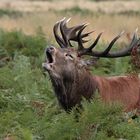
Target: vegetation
17 42
28 106
75 10
10 13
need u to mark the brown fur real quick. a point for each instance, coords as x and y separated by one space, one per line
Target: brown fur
125 89
70 90
72 80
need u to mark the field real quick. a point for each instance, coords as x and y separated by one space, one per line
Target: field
28 107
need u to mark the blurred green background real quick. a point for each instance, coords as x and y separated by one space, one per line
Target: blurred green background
28 107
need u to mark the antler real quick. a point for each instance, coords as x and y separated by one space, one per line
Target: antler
106 53
68 34
75 34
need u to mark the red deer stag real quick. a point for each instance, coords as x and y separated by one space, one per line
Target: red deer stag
71 78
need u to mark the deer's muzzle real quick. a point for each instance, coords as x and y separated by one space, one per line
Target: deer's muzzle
47 65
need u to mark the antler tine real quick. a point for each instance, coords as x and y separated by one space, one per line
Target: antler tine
63 29
75 34
134 42
69 34
136 31
95 42
106 51
81 48
57 37
79 38
127 51
76 28
86 35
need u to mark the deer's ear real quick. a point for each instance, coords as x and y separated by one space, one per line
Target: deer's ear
89 62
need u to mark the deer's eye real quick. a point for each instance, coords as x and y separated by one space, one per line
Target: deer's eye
69 56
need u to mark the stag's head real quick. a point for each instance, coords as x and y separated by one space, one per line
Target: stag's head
67 67
65 61
61 62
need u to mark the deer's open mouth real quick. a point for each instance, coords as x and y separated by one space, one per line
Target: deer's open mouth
49 57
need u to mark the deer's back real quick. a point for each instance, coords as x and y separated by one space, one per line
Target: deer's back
125 89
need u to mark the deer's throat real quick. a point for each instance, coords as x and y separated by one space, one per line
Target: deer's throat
71 91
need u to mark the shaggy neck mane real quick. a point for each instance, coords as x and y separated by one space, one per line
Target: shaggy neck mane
70 91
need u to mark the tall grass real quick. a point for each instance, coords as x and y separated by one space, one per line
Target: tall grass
112 23
10 13
28 106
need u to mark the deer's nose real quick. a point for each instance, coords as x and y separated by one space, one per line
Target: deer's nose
50 49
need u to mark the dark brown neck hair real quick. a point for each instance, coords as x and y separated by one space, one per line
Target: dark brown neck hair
70 90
